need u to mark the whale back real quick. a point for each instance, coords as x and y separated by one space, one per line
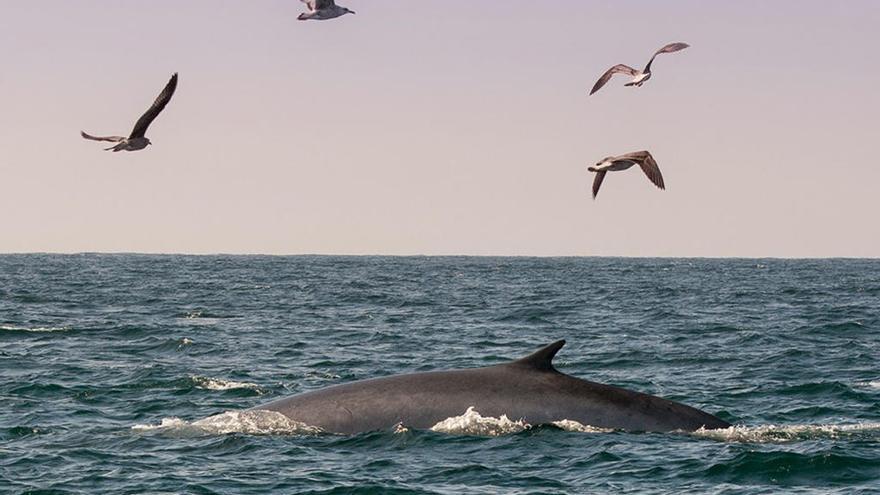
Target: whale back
529 388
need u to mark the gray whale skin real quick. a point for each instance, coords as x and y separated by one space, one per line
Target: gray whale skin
530 389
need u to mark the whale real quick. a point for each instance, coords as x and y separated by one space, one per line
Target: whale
530 389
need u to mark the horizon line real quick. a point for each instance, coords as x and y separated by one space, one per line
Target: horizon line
418 255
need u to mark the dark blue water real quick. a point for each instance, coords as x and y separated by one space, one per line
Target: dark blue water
109 366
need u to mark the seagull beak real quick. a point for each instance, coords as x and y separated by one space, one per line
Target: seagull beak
352 12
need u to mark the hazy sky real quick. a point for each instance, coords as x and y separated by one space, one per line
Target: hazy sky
441 127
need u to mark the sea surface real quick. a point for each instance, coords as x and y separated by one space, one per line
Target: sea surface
129 373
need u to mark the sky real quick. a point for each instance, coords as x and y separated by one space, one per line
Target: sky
441 128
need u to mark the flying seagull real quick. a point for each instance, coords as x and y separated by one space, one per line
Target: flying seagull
321 10
137 140
623 162
639 77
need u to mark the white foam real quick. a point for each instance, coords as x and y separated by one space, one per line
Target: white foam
198 317
875 384
255 422
323 374
11 328
167 423
569 425
208 383
786 433
472 423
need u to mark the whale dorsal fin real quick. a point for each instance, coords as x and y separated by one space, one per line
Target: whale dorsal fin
543 359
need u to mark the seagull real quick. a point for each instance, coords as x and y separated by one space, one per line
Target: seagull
639 77
137 140
623 162
321 10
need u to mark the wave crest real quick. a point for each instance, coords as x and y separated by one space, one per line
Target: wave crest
873 384
208 383
13 328
257 422
569 425
787 433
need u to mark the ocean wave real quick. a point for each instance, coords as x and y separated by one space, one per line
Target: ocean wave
191 315
323 374
246 287
13 328
204 317
788 433
257 422
208 383
873 384
473 423
22 431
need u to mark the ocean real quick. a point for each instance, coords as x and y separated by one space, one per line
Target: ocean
129 373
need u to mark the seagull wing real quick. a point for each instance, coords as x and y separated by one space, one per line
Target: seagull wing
617 69
112 139
140 128
648 164
597 182
670 48
315 5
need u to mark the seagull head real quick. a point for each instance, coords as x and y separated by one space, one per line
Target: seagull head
148 141
601 162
